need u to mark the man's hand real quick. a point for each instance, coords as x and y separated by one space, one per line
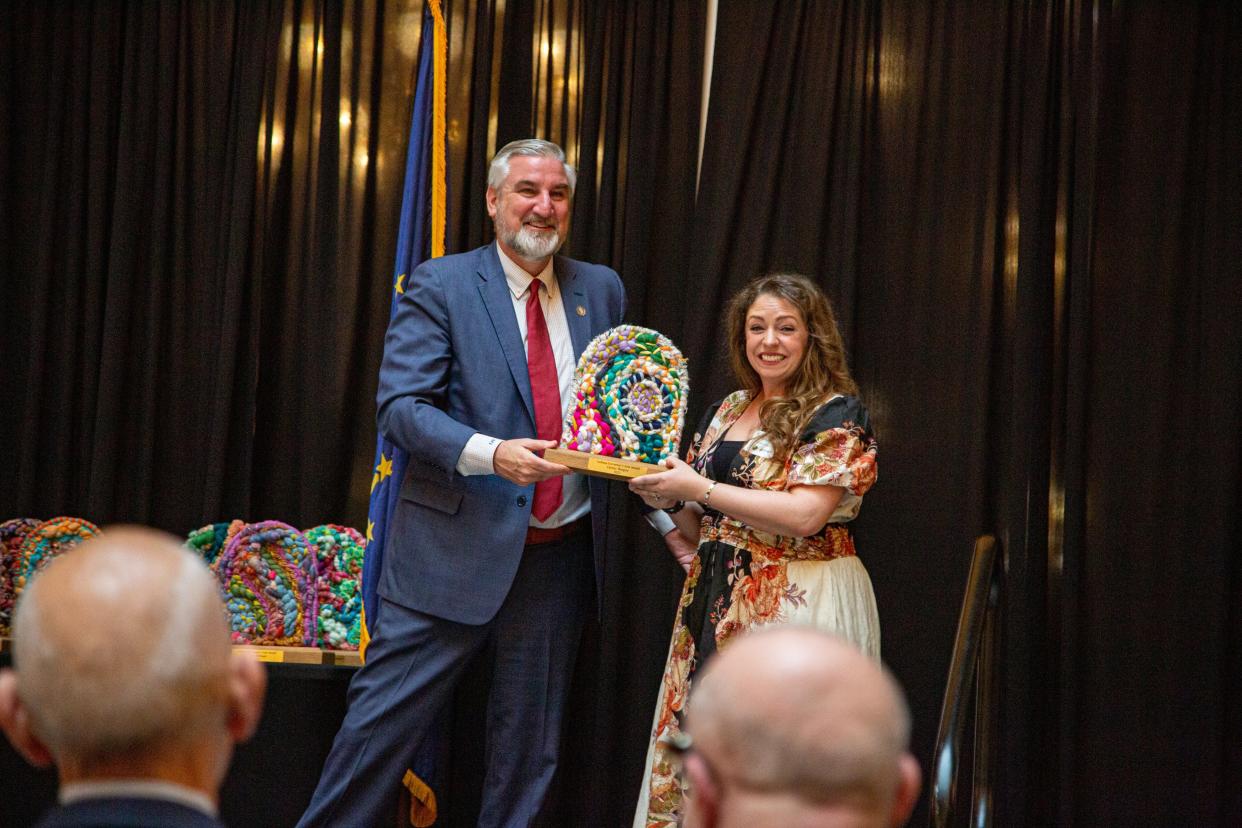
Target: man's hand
682 549
516 461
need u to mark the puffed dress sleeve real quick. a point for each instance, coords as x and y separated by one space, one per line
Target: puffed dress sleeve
837 448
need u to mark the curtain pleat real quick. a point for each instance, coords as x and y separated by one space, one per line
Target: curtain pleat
120 180
1024 216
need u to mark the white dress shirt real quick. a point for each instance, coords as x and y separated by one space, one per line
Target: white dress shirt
477 457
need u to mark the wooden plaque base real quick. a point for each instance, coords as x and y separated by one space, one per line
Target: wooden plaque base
301 655
614 468
283 655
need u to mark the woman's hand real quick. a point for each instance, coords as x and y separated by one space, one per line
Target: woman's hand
655 501
661 490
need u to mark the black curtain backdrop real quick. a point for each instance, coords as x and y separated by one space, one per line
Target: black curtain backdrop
128 163
337 87
198 217
1147 381
1026 213
1027 216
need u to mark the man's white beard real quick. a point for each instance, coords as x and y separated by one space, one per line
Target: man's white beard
531 244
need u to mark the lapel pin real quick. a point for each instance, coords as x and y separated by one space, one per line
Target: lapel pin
581 310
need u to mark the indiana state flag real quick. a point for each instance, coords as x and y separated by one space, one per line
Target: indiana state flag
420 236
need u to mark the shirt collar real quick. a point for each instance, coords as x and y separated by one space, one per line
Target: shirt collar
138 789
519 280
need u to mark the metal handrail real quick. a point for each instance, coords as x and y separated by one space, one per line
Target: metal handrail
972 654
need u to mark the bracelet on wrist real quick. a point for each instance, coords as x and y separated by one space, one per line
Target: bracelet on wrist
707 495
675 508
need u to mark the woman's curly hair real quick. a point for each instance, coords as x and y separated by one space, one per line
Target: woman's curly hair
822 372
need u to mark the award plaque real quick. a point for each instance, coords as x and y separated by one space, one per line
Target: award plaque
339 551
49 540
267 576
12 534
209 541
628 405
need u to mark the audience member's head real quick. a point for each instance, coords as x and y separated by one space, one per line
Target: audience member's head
122 667
796 728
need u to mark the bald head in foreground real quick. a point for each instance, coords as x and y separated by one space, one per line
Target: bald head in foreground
123 677
796 728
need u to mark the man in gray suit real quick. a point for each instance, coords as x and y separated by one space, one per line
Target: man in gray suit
492 547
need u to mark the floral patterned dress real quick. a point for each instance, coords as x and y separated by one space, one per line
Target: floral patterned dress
743 578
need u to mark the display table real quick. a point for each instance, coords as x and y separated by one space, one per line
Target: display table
272 776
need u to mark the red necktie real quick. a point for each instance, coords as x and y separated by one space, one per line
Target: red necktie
545 389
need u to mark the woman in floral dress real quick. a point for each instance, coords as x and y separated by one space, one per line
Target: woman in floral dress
774 475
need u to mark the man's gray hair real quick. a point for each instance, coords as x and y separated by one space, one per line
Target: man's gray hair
129 652
527 148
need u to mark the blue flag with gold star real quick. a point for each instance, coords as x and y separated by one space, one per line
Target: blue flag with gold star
420 236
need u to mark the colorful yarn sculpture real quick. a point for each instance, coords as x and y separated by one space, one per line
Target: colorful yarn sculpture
630 391
12 534
209 541
339 552
48 540
267 577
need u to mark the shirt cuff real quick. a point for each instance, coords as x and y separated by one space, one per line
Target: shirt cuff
477 455
660 521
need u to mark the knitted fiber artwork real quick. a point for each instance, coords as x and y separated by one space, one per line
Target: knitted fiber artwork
338 550
48 540
12 533
629 396
209 541
267 580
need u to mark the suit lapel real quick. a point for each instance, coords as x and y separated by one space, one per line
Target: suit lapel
573 299
494 290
